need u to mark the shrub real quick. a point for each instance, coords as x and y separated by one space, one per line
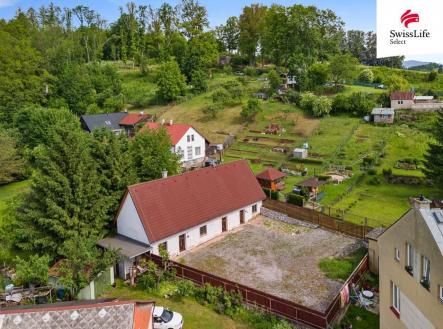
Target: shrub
374 181
372 172
321 106
387 172
267 192
306 101
185 288
366 75
250 71
296 199
432 76
274 195
227 69
32 271
213 109
250 110
147 282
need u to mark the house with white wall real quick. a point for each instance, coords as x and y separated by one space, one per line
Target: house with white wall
180 212
402 100
187 142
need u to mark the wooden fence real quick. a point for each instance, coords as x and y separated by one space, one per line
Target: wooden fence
315 217
272 304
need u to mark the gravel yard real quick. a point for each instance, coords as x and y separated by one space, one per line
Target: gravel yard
275 257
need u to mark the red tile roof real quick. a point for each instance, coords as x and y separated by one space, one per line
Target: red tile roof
402 95
270 174
174 204
133 118
175 131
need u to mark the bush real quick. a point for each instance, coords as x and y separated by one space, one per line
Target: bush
32 271
387 172
372 172
374 181
296 199
432 76
250 110
147 282
227 69
185 288
213 109
274 195
366 75
250 71
267 192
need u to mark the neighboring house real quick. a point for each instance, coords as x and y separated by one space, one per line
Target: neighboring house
272 179
402 100
373 248
116 122
187 142
312 185
178 213
97 314
411 270
383 115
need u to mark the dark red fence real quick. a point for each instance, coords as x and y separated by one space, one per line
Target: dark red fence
315 217
268 302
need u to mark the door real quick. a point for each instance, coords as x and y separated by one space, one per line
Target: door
182 242
224 224
242 216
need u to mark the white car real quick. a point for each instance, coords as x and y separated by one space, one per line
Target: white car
166 319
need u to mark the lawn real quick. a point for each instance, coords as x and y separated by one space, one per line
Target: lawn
7 194
341 268
196 316
361 318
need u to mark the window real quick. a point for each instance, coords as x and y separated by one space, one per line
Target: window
397 254
192 137
163 246
426 272
188 138
181 152
254 208
440 293
189 152
203 230
409 258
198 150
395 298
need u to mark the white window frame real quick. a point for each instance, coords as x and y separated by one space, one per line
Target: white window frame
395 297
440 293
254 208
409 255
198 151
397 254
426 268
189 152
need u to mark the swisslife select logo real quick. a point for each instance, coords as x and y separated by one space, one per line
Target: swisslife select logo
401 37
408 27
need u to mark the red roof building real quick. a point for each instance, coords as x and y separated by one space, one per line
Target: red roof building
272 179
182 211
402 95
175 131
132 119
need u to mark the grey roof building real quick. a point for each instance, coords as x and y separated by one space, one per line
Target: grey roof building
96 314
111 121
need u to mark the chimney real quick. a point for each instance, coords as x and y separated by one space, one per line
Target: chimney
171 122
163 122
421 203
164 173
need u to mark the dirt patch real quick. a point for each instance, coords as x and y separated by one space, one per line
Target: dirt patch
275 257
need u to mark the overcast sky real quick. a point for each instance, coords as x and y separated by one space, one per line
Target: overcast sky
357 14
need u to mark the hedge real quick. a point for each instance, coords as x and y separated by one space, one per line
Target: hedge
308 160
274 195
296 199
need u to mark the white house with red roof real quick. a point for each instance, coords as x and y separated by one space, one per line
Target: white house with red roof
187 142
180 212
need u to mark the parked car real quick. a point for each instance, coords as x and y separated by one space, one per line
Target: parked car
166 319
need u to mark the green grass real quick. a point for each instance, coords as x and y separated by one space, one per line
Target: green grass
8 193
196 316
349 89
341 268
361 318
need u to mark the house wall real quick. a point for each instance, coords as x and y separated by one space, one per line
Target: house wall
402 104
417 304
128 222
214 228
427 107
374 256
383 118
183 144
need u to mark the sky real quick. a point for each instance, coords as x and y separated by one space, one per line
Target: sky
356 14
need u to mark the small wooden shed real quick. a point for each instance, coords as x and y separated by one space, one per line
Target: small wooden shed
272 179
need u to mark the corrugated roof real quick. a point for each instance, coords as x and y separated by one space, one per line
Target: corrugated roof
98 314
125 246
382 111
402 95
108 120
270 174
423 98
311 182
174 204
